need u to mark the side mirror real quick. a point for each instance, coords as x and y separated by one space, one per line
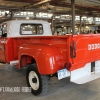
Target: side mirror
4 35
0 33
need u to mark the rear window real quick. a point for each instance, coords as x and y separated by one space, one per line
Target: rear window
31 29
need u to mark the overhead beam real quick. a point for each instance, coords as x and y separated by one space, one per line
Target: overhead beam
37 3
80 23
94 1
63 4
41 2
25 1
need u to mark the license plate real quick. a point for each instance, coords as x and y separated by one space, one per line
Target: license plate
62 74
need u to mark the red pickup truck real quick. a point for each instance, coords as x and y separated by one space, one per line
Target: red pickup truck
30 43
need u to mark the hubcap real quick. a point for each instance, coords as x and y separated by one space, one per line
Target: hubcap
33 80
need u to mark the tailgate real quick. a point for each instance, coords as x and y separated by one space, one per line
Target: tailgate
87 49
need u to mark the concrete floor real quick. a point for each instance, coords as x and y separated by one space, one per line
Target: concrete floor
59 90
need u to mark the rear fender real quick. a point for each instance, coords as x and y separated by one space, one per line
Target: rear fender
47 57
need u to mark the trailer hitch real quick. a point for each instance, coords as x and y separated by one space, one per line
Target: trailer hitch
73 50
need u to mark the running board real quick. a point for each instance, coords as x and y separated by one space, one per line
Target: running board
15 62
87 78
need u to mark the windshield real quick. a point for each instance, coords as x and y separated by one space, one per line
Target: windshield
3 30
0 30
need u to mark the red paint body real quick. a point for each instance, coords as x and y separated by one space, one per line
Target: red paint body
50 53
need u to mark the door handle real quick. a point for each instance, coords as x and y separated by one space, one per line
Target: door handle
1 48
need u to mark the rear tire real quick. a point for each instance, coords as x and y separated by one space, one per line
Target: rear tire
39 83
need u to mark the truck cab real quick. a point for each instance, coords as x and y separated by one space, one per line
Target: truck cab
17 29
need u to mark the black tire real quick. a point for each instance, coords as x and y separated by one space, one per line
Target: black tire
39 83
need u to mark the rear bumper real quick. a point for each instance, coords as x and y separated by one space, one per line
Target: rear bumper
84 74
87 78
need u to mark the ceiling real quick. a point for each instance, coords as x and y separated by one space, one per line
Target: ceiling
82 7
56 7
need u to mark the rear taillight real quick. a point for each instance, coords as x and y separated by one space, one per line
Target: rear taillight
68 66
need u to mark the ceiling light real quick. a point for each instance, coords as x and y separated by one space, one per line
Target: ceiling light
62 26
87 26
1 16
76 28
28 25
61 21
27 17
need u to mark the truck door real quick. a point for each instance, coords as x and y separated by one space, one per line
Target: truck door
2 50
3 33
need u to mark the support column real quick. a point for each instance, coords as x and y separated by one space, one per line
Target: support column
67 30
84 25
70 25
80 24
34 15
73 16
52 24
